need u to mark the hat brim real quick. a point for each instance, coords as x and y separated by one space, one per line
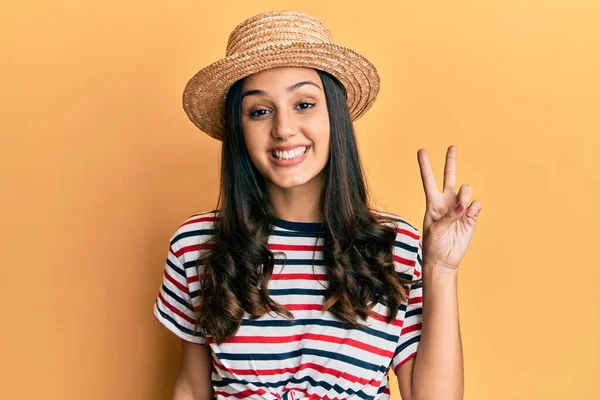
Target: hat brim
205 93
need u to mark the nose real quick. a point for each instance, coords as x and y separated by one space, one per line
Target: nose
284 125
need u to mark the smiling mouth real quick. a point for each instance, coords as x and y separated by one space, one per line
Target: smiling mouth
289 155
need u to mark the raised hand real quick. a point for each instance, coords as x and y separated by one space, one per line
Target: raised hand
448 223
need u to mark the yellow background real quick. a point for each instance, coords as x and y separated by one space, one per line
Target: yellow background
100 164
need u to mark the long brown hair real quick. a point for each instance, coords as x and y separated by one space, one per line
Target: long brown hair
358 243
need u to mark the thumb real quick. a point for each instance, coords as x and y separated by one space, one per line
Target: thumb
449 218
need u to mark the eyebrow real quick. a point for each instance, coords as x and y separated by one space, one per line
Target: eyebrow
295 86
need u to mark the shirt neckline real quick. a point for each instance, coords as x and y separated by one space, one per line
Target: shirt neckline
307 227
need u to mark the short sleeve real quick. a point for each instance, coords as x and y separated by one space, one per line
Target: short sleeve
173 306
410 334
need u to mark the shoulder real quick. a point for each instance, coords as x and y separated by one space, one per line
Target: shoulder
405 231
407 242
193 234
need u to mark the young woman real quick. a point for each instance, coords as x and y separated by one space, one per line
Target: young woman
294 287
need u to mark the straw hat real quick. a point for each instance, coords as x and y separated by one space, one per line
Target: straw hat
277 39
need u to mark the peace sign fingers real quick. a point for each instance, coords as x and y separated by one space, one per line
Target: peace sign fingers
449 221
450 169
427 177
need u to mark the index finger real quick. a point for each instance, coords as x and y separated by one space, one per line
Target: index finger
429 184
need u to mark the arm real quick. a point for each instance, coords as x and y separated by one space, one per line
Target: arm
194 378
448 225
438 368
404 376
174 308
437 371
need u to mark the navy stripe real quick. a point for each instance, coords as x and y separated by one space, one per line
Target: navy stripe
194 233
277 261
224 382
318 322
177 298
179 326
297 353
296 234
313 383
404 345
175 268
412 313
300 227
301 292
405 246
190 264
299 261
340 390
404 276
209 232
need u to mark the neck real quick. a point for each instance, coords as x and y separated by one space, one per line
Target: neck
299 203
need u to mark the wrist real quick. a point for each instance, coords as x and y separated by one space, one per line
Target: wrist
439 269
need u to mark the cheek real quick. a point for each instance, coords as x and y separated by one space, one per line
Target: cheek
255 153
322 137
253 142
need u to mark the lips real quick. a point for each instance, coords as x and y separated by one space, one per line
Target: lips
289 154
288 162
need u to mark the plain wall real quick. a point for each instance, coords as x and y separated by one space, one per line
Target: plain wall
100 165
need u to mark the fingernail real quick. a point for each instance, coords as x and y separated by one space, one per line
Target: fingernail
459 207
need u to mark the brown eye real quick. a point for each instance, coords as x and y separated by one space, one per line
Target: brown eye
257 113
307 104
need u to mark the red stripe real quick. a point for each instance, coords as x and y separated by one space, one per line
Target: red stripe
196 278
304 307
411 328
383 318
304 366
408 233
294 247
244 393
404 261
349 377
404 361
175 310
415 300
309 396
180 286
257 372
293 389
319 307
200 219
310 277
194 247
310 336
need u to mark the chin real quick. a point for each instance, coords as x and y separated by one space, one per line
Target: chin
289 183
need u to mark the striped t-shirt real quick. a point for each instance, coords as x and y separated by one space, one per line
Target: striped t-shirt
312 356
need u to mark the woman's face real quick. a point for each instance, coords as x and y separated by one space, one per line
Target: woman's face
286 126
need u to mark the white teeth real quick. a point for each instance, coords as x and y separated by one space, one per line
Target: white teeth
287 155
